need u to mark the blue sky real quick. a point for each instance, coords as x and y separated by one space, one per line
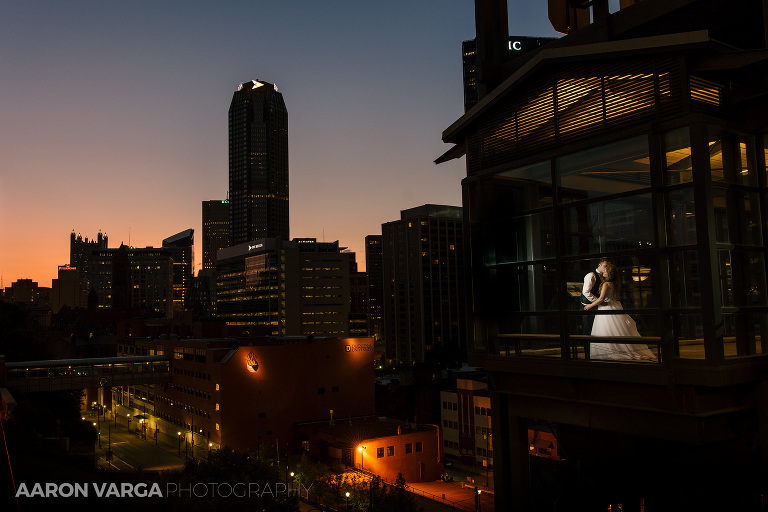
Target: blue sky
113 116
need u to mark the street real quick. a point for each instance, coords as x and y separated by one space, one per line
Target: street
130 452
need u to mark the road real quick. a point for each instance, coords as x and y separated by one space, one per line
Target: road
131 452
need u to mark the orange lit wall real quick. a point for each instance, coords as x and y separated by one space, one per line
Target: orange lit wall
293 383
425 465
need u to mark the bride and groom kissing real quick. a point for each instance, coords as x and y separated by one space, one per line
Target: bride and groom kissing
601 293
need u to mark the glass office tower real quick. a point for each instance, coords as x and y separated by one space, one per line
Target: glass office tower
258 163
641 138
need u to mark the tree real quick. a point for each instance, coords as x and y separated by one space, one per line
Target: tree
231 480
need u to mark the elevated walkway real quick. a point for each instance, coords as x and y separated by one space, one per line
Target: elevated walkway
62 374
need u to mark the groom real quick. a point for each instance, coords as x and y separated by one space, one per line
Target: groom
591 291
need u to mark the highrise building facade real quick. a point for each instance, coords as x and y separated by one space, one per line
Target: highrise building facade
297 287
215 230
68 289
181 247
130 277
80 252
425 316
258 164
373 264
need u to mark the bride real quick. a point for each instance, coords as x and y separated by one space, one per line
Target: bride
614 325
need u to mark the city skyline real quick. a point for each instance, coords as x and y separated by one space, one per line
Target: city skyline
115 116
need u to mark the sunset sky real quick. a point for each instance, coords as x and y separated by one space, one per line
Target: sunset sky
113 115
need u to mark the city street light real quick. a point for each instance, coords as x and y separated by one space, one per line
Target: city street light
179 435
129 421
347 501
362 457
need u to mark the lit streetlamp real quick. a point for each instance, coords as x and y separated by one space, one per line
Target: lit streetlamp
347 500
362 457
179 435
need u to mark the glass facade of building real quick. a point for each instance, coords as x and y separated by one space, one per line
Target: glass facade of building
676 208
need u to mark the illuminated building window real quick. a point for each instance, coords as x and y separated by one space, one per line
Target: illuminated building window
217 407
217 427
217 387
379 453
390 451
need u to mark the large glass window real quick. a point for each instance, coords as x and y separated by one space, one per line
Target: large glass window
731 160
608 226
525 188
684 279
677 157
528 287
737 216
527 238
540 237
606 170
681 217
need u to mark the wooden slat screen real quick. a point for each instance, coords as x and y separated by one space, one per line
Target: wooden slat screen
575 102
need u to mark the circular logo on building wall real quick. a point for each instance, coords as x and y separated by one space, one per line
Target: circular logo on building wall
251 363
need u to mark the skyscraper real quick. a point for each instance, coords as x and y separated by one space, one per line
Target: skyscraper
373 267
258 163
181 248
215 230
423 281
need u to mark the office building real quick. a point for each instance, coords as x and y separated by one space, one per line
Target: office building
215 230
373 267
68 289
358 303
297 287
80 251
181 248
133 278
640 137
258 164
423 278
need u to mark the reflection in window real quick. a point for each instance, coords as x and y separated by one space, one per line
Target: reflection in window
525 188
678 167
726 278
529 287
737 216
685 283
744 333
681 217
608 226
612 169
742 278
749 278
530 237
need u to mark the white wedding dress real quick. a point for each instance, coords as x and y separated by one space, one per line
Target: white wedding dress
616 325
